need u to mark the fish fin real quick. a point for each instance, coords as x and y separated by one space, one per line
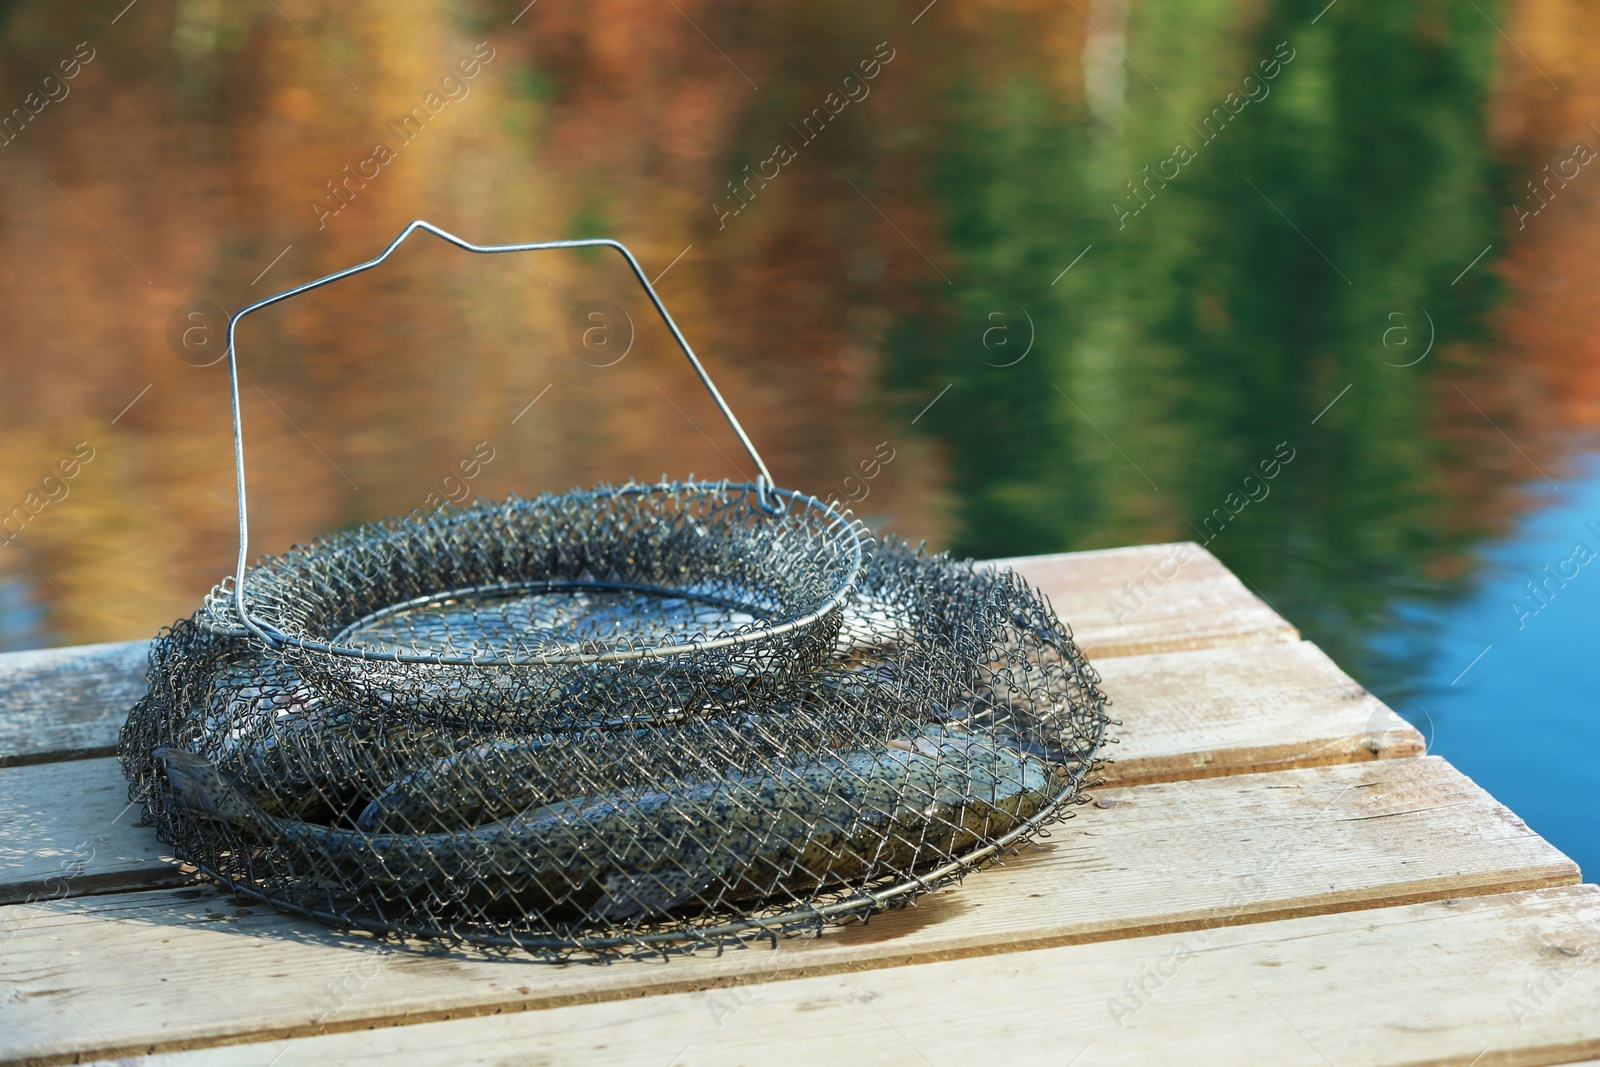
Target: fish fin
199 787
643 894
372 815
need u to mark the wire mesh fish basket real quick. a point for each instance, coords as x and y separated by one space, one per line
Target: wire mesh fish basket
634 718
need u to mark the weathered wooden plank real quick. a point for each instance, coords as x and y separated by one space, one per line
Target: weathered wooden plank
70 702
69 830
1154 859
1184 715
1491 981
63 703
1238 709
1151 598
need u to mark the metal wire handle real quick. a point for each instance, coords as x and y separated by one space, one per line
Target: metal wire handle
764 482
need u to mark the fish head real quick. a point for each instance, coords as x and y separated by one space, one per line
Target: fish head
193 780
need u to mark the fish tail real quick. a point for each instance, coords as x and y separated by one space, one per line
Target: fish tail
198 786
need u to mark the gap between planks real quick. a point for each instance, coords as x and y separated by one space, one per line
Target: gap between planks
1158 858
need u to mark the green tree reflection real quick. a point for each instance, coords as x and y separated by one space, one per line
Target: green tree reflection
1218 313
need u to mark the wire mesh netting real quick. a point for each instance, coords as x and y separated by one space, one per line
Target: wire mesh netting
696 582
574 804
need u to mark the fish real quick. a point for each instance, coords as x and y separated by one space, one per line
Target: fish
549 622
303 754
633 853
483 781
685 619
298 753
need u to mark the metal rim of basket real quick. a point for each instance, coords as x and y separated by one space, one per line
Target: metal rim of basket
768 498
838 524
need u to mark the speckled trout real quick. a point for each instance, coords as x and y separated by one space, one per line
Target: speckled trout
488 780
634 853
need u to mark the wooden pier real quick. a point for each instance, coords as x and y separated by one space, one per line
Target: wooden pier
1275 872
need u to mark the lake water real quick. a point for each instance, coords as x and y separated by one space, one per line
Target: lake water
1312 285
